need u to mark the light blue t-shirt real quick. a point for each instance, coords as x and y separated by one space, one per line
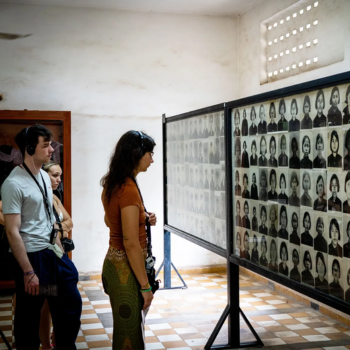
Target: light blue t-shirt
21 195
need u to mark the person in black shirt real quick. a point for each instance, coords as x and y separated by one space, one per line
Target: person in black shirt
263 151
238 189
282 267
346 111
273 160
306 238
273 256
236 132
306 162
253 157
263 217
347 146
306 122
245 156
263 186
272 127
253 130
283 122
245 218
255 252
294 161
334 287
346 247
319 161
238 219
293 199
272 229
283 233
255 224
282 197
334 159
320 243
320 120
294 123
263 259
320 204
305 198
334 115
283 158
237 161
294 273
334 203
245 193
320 281
244 124
294 237
245 253
272 194
254 188
346 203
306 275
262 125
334 234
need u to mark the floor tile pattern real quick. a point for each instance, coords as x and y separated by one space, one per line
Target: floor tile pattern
184 319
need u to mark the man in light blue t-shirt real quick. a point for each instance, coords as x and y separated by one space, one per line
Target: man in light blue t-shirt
42 270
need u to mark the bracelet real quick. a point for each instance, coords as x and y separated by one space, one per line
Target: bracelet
146 286
145 290
31 279
28 273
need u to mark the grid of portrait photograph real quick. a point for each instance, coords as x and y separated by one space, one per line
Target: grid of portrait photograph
195 165
291 177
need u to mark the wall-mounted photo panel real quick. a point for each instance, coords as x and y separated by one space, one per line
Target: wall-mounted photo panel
272 118
263 178
273 190
255 215
320 185
306 150
294 144
283 150
306 188
294 225
294 183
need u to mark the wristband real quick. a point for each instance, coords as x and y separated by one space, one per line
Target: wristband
146 286
28 273
145 290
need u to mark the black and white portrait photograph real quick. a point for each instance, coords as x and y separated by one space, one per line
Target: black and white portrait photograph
321 235
245 155
237 155
346 188
347 149
272 126
294 160
346 235
263 261
334 116
272 194
320 203
306 188
335 152
295 274
245 217
262 126
346 279
306 227
255 216
238 187
273 265
308 268
262 161
334 202
294 122
321 264
244 123
320 119
253 129
245 191
306 150
254 153
282 110
246 245
306 121
283 188
335 247
255 249
263 184
335 277
273 151
238 219
263 219
236 122
254 184
319 142
294 227
273 220
294 199
283 222
283 267
238 243
346 110
283 157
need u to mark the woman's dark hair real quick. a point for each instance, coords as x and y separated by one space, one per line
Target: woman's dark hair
282 103
283 209
251 112
245 176
282 175
307 253
347 178
263 209
273 209
335 88
237 113
334 177
319 255
296 105
335 223
246 203
294 213
335 134
319 136
320 220
283 245
255 239
244 143
304 139
273 172
292 177
131 147
30 137
253 144
306 99
263 174
295 251
346 94
238 144
272 104
336 262
304 175
319 92
261 140
305 215
294 140
274 140
317 181
285 140
274 243
263 242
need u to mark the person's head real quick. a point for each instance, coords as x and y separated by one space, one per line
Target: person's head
273 146
306 181
294 108
255 241
263 145
273 179
262 113
246 240
307 221
334 231
272 112
273 213
263 179
295 221
319 102
283 217
336 270
320 190
334 185
294 182
306 105
237 118
35 141
283 252
253 147
335 97
282 182
347 96
347 185
244 145
246 207
347 141
294 145
132 154
295 257
254 178
320 226
283 144
273 251
321 268
245 181
263 214
238 147
252 114
334 142
306 145
244 114
55 172
307 260
263 245
282 107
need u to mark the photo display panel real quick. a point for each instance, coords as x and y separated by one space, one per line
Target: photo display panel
195 172
291 187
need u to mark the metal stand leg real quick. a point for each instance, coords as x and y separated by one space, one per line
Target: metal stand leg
5 340
167 264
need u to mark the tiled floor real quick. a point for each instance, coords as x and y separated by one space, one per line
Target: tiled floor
184 319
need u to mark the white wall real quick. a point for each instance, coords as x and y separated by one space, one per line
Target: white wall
116 71
337 20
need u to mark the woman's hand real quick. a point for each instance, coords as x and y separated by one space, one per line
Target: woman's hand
147 297
152 219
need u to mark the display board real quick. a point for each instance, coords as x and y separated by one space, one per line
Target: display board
195 188
291 187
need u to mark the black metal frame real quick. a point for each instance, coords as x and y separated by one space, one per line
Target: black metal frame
338 79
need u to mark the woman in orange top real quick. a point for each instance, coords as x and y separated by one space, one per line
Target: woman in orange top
124 274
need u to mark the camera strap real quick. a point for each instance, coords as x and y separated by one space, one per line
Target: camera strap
46 201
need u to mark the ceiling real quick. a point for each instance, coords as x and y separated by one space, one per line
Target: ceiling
198 7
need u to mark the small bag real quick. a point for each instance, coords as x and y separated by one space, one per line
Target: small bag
67 243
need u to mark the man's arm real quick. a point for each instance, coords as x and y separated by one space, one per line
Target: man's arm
13 224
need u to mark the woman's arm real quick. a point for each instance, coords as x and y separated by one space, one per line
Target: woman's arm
2 220
130 227
67 223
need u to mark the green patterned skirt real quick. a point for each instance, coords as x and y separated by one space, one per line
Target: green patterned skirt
126 300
